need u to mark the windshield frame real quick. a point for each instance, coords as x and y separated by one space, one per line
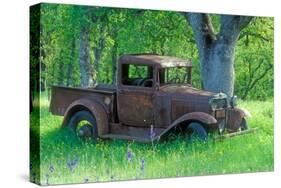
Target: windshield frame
186 81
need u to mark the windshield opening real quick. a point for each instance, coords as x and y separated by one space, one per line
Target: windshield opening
175 75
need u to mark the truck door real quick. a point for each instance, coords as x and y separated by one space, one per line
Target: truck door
134 95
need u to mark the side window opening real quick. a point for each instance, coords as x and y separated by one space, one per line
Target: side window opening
137 75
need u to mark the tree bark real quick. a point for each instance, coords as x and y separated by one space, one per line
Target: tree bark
114 54
61 75
86 75
69 81
98 49
216 51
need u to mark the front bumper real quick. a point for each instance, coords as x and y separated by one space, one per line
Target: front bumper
230 135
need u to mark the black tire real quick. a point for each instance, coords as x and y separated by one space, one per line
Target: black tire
196 131
244 125
89 129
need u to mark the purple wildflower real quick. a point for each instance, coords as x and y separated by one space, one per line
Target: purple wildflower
72 164
129 155
142 165
52 168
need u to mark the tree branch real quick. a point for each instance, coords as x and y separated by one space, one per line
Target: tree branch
202 28
231 26
251 83
256 35
261 76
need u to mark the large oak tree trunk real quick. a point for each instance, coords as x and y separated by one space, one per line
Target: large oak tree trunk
84 59
216 51
218 68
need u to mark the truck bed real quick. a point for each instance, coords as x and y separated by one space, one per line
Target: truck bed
104 87
62 97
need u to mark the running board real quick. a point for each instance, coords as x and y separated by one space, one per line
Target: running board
125 137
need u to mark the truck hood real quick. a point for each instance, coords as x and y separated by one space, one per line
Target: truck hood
185 90
186 99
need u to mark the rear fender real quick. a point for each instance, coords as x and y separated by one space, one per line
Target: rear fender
94 107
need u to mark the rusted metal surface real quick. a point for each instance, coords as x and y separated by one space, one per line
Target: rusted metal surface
135 107
184 120
234 119
155 60
220 114
131 111
95 107
62 97
162 109
196 116
143 134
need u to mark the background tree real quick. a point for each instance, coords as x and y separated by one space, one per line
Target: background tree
80 46
254 60
216 50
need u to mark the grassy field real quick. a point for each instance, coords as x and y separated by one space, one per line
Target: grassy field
65 159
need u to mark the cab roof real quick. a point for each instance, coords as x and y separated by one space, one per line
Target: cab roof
154 60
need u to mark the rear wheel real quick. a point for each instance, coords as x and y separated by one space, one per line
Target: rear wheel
196 131
83 124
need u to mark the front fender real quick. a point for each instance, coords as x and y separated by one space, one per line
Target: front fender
204 118
196 116
234 118
93 106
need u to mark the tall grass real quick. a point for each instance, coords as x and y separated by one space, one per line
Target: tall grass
65 159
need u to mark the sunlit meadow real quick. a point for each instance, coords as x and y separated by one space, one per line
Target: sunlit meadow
65 159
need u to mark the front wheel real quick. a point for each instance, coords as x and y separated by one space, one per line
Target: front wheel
196 131
84 125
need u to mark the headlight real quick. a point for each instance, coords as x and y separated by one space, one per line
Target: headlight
218 101
233 101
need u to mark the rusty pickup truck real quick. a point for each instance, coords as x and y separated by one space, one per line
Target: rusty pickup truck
153 98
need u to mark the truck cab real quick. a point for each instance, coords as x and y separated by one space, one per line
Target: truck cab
140 100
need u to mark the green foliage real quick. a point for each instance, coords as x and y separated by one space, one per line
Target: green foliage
116 31
113 32
65 159
254 60
140 71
